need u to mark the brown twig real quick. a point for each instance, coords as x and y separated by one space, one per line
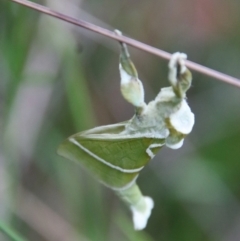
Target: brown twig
137 44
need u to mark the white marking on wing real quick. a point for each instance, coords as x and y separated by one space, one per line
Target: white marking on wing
125 135
103 161
128 185
149 151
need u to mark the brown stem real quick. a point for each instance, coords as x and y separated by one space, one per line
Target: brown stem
137 44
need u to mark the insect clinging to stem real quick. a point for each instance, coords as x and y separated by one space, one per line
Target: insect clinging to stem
115 154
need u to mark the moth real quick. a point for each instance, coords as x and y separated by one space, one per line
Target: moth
115 154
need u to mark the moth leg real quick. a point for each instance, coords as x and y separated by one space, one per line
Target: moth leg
141 206
181 121
131 87
179 75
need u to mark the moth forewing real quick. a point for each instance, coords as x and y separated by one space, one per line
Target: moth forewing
113 159
106 174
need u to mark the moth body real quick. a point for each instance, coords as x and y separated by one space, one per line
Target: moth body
115 154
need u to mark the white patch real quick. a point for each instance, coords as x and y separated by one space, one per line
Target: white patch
125 77
140 218
182 120
175 145
149 151
103 161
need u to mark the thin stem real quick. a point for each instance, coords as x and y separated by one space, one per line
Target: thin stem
137 44
9 232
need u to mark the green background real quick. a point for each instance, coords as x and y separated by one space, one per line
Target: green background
57 79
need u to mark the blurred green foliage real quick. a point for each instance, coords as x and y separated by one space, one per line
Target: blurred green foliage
57 79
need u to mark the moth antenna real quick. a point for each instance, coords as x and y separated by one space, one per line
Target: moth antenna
179 76
131 87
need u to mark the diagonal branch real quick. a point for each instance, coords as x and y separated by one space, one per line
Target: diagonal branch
137 44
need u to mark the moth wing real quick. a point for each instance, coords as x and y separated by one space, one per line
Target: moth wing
112 158
107 129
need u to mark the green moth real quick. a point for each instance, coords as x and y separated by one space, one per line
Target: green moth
115 154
